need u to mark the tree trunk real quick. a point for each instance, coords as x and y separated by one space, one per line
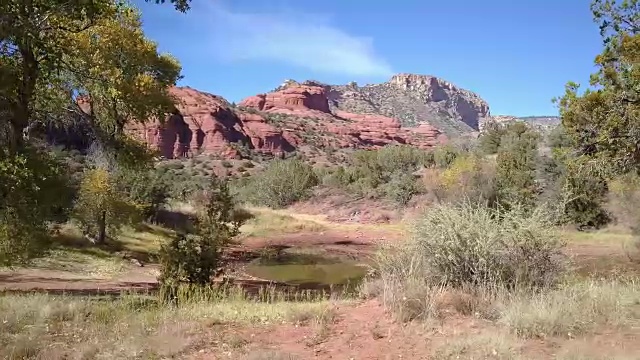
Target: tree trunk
102 228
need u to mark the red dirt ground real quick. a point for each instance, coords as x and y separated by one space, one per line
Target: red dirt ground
365 331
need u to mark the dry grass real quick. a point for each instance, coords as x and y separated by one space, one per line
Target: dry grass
574 309
571 307
485 346
74 254
607 253
608 236
147 239
467 246
40 326
270 355
271 222
321 221
585 350
96 264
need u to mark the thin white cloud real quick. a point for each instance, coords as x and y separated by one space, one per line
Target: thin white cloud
293 38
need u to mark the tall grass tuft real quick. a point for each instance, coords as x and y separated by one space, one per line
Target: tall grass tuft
473 249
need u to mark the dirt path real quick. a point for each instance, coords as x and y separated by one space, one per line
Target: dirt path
135 279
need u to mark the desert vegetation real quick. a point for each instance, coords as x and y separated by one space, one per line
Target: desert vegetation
503 234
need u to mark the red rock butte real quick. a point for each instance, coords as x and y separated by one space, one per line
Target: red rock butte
204 123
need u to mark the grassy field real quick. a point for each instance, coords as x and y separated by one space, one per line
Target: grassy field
41 326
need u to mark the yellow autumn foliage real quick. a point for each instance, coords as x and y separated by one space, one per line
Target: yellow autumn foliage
461 170
468 177
100 206
122 72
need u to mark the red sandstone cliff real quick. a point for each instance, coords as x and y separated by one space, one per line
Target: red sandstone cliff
272 123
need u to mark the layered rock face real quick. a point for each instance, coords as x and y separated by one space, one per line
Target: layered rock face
296 116
304 108
205 123
413 100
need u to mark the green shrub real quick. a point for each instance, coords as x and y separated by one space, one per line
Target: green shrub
193 259
494 134
337 177
398 158
248 164
33 191
516 170
387 172
282 183
443 156
401 188
226 164
585 188
174 165
489 140
558 138
178 185
145 188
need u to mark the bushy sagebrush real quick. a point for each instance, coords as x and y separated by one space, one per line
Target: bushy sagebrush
282 183
472 245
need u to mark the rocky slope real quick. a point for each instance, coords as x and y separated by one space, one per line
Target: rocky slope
297 117
412 99
543 123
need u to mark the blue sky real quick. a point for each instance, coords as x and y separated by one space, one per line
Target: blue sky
517 55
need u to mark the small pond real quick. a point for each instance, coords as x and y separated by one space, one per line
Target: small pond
305 269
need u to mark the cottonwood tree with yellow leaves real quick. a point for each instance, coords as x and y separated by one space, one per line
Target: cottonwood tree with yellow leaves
100 208
51 52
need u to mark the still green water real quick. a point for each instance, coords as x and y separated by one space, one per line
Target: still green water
307 269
